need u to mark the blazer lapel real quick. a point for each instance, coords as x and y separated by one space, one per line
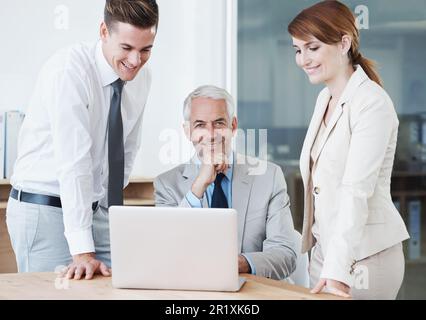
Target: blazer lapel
305 160
313 128
241 188
333 121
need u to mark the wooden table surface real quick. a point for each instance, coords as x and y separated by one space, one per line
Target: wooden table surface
38 286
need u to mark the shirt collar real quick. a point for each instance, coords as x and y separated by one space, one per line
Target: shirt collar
106 72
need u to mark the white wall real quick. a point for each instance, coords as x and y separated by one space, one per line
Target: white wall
190 51
29 33
192 48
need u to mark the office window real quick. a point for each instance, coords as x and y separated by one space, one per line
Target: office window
274 94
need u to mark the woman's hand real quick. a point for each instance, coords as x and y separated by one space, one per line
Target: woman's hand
334 287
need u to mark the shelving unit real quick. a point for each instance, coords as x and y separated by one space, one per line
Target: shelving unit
408 186
139 192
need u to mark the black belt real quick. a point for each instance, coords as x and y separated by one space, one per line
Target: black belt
41 199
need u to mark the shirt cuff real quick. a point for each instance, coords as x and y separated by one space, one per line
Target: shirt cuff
193 200
80 241
252 267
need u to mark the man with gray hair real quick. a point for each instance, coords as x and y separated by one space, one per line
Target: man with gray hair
217 177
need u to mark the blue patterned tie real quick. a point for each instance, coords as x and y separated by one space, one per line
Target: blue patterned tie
115 147
219 198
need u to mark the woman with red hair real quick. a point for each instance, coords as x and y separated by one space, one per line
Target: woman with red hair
350 222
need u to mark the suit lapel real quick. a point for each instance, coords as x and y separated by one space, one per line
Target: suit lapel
333 121
305 159
242 182
314 126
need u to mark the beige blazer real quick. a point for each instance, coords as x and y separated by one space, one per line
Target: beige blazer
350 187
265 224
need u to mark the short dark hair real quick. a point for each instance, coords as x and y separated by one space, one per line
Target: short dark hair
140 13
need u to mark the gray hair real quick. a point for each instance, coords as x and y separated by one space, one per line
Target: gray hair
211 92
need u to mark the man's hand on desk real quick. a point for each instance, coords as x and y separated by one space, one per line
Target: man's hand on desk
86 264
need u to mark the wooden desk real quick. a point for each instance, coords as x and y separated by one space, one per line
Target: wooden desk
40 286
7 257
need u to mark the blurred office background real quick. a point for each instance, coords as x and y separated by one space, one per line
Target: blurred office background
244 47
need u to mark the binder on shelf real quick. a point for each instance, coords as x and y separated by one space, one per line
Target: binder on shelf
423 138
13 122
424 132
414 227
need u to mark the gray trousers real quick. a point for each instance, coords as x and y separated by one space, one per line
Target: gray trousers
378 277
38 240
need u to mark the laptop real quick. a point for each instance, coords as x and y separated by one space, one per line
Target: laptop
174 248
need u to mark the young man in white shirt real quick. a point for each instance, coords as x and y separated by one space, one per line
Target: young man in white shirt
78 143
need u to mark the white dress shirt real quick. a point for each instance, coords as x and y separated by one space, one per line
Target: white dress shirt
63 148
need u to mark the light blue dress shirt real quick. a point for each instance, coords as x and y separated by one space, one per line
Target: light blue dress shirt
226 184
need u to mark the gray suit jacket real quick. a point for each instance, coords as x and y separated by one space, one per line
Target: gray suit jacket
265 224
